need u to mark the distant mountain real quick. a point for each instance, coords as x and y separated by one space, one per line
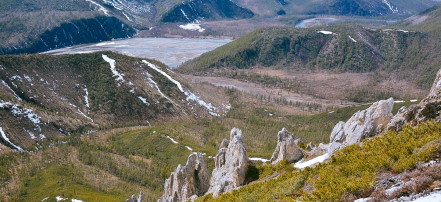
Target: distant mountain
364 8
45 96
196 10
35 26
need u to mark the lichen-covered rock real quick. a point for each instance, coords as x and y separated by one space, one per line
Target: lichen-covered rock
429 108
363 124
188 181
135 198
286 149
231 164
399 120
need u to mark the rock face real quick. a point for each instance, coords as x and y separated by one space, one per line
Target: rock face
135 198
428 108
188 181
363 124
286 148
231 164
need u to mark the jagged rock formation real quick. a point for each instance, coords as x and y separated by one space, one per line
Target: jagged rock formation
135 198
363 124
286 149
428 108
187 182
231 164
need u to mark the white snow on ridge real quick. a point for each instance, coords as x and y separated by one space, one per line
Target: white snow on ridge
258 159
189 148
144 100
190 96
399 101
7 140
127 17
80 112
154 84
400 30
185 15
32 135
192 27
156 68
173 140
352 39
86 98
325 32
59 198
119 77
394 10
301 164
209 106
101 8
10 89
414 100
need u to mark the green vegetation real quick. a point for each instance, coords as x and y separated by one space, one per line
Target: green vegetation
293 48
351 171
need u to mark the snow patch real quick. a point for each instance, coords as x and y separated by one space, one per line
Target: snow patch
192 27
325 32
32 135
404 31
399 101
101 8
301 164
414 100
59 198
144 100
127 17
10 89
190 96
152 83
185 15
119 77
45 199
80 112
432 197
86 98
258 159
173 140
189 148
76 200
363 199
105 43
352 39
7 140
391 8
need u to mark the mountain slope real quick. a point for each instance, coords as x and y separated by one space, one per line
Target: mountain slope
210 10
49 96
340 48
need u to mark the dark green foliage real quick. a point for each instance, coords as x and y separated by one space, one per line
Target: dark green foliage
77 32
212 10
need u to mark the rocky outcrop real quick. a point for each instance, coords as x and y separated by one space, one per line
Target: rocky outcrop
135 198
231 164
428 108
187 182
398 121
363 124
286 149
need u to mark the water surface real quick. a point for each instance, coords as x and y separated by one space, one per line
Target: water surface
170 51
